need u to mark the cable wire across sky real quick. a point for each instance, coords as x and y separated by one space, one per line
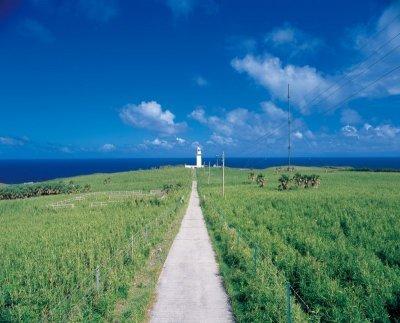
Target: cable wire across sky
274 131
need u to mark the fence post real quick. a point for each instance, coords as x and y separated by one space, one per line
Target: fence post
97 279
289 306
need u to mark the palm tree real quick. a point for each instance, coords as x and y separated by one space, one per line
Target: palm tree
261 181
315 180
298 179
284 181
252 176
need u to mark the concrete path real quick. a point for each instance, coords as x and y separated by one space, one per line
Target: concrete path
190 288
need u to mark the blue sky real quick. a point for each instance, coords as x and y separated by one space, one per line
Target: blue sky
154 78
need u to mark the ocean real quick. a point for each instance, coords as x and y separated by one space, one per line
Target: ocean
22 171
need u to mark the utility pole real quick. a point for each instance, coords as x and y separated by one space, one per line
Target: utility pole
289 125
223 174
209 172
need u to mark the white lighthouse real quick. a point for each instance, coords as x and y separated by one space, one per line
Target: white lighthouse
198 159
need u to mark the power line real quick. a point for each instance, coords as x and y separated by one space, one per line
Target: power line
363 88
339 103
360 73
344 77
273 131
365 44
362 47
380 30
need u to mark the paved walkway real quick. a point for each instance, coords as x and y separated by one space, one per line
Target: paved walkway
190 288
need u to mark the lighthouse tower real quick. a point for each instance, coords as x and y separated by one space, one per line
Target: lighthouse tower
198 158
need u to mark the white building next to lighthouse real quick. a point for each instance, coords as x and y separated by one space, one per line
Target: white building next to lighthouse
199 163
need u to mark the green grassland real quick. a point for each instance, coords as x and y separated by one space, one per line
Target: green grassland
48 257
337 245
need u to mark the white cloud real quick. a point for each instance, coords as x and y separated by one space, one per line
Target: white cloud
309 134
269 72
12 141
158 143
65 150
394 90
383 131
221 140
198 114
200 81
151 116
379 55
273 111
349 116
312 89
349 131
293 39
180 141
108 148
281 35
298 135
370 133
240 127
196 144
164 143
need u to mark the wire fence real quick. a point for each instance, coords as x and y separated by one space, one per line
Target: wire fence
110 196
257 253
94 283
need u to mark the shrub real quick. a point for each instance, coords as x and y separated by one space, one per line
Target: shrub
19 191
167 188
252 176
298 179
303 181
261 181
284 181
315 180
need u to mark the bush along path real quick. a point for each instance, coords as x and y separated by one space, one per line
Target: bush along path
190 288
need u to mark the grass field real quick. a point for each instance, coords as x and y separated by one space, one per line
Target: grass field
48 257
338 245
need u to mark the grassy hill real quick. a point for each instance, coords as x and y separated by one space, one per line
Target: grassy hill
337 245
94 256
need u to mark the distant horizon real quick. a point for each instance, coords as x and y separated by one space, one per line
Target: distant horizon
204 157
34 170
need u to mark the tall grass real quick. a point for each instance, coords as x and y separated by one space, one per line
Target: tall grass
337 245
48 258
